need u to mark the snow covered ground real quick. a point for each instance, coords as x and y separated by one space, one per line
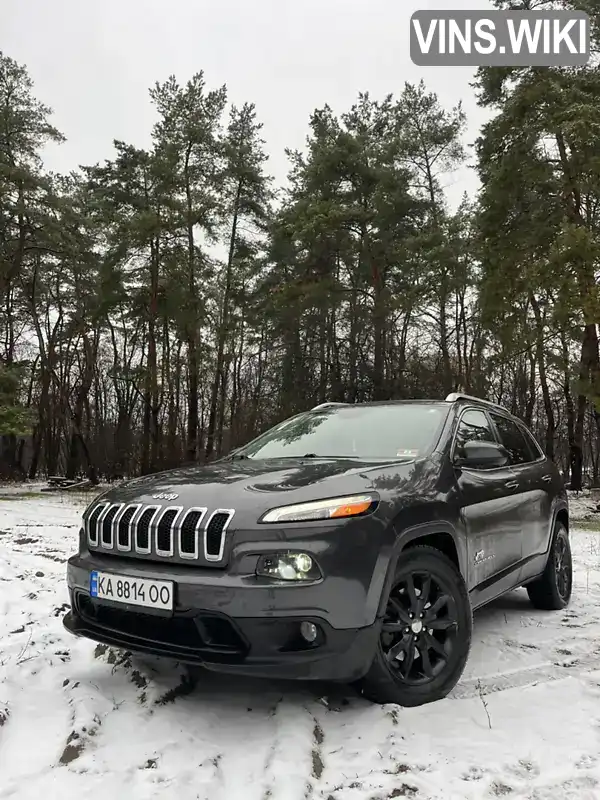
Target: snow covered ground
82 721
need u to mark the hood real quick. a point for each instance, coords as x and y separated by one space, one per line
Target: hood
259 483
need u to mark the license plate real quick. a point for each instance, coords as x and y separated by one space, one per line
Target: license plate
132 591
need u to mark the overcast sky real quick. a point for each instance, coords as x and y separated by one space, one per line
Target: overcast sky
93 61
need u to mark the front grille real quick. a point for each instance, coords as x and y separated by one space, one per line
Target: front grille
160 532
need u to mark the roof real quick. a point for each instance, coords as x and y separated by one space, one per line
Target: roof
454 397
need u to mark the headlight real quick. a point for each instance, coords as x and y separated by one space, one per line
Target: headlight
334 508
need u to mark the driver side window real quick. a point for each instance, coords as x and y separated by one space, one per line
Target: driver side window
473 426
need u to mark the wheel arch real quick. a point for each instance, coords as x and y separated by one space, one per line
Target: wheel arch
439 534
441 540
562 516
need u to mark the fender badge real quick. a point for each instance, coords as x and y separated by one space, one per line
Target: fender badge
480 557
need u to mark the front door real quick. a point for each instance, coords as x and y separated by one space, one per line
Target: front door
489 509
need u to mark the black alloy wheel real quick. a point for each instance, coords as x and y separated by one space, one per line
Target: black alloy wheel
420 627
552 591
563 567
425 633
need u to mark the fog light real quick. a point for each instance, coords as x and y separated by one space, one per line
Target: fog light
288 567
309 631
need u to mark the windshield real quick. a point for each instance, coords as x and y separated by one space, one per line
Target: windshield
385 431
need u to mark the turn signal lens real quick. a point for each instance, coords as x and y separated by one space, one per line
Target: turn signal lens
352 509
334 508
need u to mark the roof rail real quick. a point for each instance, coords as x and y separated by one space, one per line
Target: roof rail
452 398
328 405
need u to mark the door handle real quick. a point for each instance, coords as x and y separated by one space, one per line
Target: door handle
512 485
547 478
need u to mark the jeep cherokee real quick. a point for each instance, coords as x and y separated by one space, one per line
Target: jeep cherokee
348 543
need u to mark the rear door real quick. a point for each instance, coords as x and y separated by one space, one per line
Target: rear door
489 510
534 473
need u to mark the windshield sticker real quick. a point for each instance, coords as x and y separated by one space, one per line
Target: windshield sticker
411 453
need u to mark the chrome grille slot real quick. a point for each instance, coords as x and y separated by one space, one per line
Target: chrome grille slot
124 527
164 531
214 533
92 523
106 526
142 529
189 532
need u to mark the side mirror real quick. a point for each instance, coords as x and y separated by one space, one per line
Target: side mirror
483 455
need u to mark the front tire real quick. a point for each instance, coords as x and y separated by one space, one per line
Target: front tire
552 592
425 634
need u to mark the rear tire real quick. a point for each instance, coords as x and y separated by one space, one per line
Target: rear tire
426 632
552 592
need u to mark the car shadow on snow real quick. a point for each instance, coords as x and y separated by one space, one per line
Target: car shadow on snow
160 682
508 635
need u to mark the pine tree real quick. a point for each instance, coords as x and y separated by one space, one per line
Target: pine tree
540 218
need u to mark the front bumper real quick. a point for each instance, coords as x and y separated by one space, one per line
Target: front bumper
240 629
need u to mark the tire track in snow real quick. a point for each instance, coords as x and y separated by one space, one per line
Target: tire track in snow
262 735
532 675
290 765
362 752
236 746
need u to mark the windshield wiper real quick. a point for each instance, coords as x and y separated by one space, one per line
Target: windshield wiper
326 458
240 456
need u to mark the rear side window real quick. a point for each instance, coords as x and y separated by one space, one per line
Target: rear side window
513 439
535 451
473 426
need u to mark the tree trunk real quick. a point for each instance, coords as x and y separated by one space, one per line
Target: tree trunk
192 322
588 368
219 378
541 363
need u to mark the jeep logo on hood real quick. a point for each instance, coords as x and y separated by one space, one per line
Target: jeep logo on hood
171 496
